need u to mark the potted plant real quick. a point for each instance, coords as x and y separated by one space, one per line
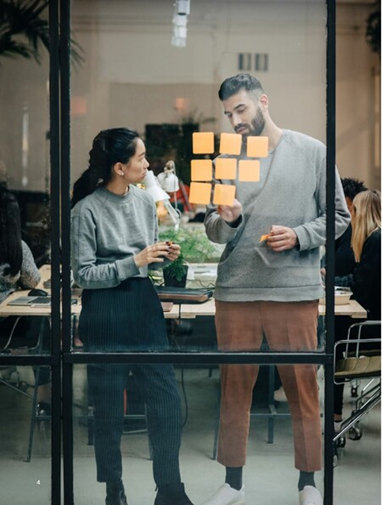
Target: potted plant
195 248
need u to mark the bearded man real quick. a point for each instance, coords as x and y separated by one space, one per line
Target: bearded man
269 281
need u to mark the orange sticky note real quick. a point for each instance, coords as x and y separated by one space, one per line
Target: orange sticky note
257 147
249 170
230 143
225 168
203 143
263 237
201 170
200 193
224 194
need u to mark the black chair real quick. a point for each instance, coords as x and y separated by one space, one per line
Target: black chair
20 387
361 360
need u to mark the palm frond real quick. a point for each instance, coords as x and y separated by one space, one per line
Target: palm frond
24 28
11 49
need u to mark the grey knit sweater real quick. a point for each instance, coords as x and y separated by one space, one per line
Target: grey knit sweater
291 192
107 231
27 278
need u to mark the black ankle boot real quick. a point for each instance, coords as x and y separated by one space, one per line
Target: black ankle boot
115 494
172 494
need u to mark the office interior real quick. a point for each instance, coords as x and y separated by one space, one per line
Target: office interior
132 66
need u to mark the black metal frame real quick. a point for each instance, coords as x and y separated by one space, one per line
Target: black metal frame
62 359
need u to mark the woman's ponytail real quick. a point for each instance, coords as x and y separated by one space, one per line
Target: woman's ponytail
109 147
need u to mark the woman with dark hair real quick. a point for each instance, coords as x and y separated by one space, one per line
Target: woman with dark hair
17 266
114 242
365 281
18 270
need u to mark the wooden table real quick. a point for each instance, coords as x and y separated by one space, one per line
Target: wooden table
187 311
184 311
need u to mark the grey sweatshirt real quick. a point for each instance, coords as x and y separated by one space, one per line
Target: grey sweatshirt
27 278
291 192
107 231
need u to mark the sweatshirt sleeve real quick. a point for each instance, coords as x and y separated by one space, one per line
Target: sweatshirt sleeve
313 234
218 230
87 273
29 274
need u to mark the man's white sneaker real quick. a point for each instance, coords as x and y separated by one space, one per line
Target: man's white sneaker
226 495
310 496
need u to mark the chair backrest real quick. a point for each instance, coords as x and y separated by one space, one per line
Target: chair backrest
362 357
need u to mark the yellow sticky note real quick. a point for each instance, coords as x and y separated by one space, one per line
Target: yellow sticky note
201 170
249 170
224 194
263 237
230 143
200 193
225 168
203 143
257 147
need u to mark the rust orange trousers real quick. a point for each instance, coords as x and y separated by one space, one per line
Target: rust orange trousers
287 326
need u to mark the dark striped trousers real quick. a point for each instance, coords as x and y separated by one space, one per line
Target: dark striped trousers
130 317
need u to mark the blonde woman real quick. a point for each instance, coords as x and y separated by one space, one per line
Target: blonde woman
365 281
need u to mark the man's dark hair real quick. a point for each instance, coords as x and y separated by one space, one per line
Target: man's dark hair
233 85
352 187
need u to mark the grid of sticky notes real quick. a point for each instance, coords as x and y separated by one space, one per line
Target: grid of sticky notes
225 168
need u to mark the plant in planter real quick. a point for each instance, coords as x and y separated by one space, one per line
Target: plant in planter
195 247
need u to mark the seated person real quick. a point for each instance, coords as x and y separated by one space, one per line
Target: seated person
344 260
365 281
18 270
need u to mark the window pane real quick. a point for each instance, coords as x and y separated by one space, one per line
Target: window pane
167 91
25 432
119 394
25 171
122 399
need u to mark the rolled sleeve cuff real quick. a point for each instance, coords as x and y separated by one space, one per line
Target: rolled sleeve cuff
229 230
303 238
126 268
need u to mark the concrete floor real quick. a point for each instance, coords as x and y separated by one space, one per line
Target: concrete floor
270 477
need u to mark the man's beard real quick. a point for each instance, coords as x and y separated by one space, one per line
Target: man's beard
258 123
255 127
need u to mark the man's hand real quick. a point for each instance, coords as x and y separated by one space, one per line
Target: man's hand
230 214
281 238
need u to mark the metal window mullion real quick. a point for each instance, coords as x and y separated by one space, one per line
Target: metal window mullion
54 108
330 248
268 358
67 369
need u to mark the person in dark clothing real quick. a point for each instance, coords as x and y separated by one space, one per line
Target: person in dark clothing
344 259
365 280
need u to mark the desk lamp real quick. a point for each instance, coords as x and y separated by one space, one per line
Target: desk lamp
158 194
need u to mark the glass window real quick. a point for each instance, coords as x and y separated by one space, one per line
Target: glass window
25 443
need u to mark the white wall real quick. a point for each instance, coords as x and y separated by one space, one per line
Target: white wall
132 75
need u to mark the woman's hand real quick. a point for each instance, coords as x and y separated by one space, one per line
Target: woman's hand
156 253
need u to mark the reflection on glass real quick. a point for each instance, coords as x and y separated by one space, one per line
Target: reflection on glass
25 431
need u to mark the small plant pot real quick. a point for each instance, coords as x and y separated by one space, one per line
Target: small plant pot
172 281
